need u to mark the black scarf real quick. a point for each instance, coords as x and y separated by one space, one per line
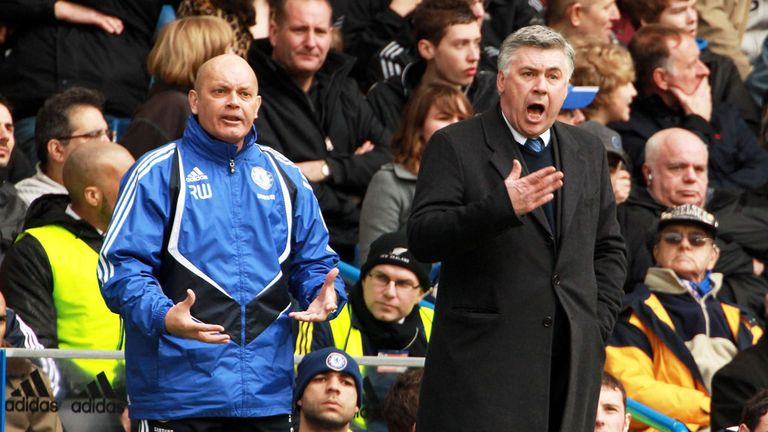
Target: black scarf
408 336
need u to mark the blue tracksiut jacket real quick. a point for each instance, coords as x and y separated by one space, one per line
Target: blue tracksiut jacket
242 230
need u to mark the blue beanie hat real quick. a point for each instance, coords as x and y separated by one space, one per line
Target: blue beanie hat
327 360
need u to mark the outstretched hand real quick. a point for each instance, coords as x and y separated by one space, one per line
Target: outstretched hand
179 322
324 304
534 190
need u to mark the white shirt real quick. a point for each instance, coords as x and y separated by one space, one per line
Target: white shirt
38 185
521 139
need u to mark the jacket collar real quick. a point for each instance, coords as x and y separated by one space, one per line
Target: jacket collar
260 57
413 72
202 142
664 280
402 172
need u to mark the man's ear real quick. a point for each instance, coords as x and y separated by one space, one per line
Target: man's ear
272 32
56 150
575 14
647 174
660 78
426 49
713 257
500 79
93 196
193 98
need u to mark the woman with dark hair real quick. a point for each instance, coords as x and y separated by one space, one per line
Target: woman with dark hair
387 202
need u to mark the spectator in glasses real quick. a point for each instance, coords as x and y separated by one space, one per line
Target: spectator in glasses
66 121
382 318
678 332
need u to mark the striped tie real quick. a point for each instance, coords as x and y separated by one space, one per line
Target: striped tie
534 144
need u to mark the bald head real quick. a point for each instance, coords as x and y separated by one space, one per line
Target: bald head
661 140
92 176
225 98
675 167
221 63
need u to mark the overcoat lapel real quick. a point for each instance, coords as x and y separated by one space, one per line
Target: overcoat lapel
505 149
573 165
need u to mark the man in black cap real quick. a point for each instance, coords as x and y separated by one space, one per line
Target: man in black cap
676 333
328 391
382 318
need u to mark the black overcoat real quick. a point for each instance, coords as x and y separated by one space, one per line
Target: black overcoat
488 363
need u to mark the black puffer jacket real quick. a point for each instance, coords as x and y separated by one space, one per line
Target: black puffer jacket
736 160
388 97
289 122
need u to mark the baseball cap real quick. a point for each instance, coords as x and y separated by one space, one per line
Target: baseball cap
579 96
689 214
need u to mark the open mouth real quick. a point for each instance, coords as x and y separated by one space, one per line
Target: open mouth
535 111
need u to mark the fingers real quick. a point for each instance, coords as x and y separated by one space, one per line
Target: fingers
308 316
210 333
189 301
109 24
365 148
214 338
534 190
330 278
517 169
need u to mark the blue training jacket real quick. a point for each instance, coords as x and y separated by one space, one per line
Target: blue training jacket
242 230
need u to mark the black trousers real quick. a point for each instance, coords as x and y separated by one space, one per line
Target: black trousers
279 423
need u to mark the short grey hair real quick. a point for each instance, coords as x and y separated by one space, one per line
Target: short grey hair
536 36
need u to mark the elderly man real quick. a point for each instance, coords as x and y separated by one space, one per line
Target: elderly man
675 92
66 120
328 391
316 115
675 172
382 318
724 80
678 332
520 211
211 233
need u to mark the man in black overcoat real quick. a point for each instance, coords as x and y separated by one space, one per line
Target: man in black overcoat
520 211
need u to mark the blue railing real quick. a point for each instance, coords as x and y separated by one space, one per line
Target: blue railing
654 418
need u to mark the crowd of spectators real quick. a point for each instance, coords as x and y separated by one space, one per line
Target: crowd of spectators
351 92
